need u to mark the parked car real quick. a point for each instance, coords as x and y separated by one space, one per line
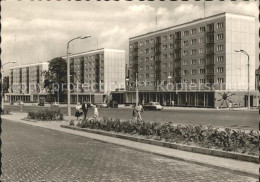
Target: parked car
152 106
102 105
41 102
113 104
19 103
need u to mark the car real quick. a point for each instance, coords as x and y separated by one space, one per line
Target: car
19 103
102 105
153 106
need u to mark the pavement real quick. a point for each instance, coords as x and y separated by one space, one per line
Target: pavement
227 169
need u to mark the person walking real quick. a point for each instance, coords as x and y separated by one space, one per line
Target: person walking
134 112
95 111
139 109
85 109
78 111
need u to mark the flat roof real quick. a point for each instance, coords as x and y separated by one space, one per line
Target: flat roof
28 65
190 23
93 51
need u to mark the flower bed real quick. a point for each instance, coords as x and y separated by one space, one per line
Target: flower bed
197 135
45 115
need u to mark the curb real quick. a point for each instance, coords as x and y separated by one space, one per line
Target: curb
218 153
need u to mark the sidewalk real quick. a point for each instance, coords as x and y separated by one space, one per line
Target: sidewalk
240 167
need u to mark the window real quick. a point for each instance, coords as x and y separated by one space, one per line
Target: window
185 53
202 71
146 42
147 67
171 36
171 55
193 72
202 81
151 67
164 47
193 31
164 65
220 80
147 59
185 81
193 51
219 47
220 25
164 56
185 62
152 58
193 41
171 64
164 74
141 76
152 41
185 33
141 52
141 44
164 38
220 69
201 61
146 51
185 43
171 46
151 75
194 61
220 58
141 68
141 60
201 50
185 72
147 75
202 29
201 40
193 81
220 36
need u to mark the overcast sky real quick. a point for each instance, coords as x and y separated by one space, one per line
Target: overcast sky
37 31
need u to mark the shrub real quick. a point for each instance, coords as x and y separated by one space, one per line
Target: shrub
45 115
204 136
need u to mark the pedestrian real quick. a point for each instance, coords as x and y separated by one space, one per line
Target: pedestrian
230 105
134 112
78 111
85 109
139 109
95 111
173 103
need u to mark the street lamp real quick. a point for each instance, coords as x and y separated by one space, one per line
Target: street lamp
136 86
2 80
248 98
68 72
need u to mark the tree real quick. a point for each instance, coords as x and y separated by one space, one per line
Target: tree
6 84
56 79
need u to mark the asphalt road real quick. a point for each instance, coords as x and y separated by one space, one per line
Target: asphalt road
219 118
36 154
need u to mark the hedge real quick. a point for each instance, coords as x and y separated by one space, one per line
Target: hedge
203 136
45 115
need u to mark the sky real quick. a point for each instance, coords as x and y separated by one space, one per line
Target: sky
37 31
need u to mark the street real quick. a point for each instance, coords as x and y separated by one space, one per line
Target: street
220 118
36 154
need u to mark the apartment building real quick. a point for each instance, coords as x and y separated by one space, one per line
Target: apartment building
24 81
194 63
97 74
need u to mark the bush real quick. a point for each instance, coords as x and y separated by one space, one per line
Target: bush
45 115
204 136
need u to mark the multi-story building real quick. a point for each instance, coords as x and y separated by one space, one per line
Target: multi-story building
25 81
97 73
195 63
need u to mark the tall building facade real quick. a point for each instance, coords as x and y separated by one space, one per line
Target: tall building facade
194 63
97 74
24 81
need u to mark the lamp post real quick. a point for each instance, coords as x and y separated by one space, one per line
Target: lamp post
136 86
2 80
68 72
248 98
